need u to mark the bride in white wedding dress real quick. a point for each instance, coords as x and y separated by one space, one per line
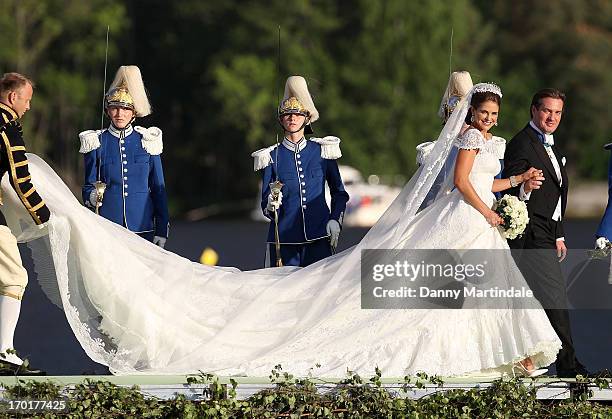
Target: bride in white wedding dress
140 309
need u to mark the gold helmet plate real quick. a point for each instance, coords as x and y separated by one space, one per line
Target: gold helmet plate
292 105
120 97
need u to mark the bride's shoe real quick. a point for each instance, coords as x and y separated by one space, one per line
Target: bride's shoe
520 369
535 373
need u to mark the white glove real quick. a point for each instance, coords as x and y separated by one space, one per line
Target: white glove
602 243
93 197
333 230
274 204
159 241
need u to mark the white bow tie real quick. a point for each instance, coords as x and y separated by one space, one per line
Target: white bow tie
549 139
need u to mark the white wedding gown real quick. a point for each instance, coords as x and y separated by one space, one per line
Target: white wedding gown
140 309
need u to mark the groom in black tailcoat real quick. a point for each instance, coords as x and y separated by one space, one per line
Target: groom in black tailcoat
542 246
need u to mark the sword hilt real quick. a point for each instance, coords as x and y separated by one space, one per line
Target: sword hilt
100 188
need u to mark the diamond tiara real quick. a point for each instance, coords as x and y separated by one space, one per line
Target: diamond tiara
487 87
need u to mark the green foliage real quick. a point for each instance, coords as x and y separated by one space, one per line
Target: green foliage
61 46
376 70
382 106
241 90
565 44
293 397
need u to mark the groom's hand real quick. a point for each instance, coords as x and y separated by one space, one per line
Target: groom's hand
531 173
561 250
534 181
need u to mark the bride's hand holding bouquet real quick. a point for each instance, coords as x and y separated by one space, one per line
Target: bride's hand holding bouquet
514 214
509 211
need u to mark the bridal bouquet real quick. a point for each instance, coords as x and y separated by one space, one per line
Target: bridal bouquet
514 213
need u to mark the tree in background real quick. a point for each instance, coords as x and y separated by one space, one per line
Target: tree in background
376 70
564 44
394 62
61 45
177 44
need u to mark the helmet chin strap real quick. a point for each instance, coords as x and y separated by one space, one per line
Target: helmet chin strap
122 132
126 125
306 120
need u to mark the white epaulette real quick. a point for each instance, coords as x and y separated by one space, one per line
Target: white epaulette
151 139
330 147
90 140
423 150
263 157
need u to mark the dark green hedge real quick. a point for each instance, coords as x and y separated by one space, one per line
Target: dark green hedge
299 398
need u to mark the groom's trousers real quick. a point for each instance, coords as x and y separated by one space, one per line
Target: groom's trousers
536 257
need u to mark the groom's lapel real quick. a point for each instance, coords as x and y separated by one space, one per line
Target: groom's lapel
561 166
541 152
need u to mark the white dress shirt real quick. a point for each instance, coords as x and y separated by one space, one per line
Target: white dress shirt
548 139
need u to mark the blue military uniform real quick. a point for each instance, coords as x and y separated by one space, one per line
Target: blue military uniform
605 226
304 169
131 167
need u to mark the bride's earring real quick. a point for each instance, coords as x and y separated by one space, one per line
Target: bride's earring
472 119
495 123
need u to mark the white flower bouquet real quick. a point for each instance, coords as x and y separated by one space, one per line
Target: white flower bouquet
514 213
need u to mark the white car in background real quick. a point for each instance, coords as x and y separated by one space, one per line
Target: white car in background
368 200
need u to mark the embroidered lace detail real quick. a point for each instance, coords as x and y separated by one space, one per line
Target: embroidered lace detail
499 146
470 140
473 139
93 344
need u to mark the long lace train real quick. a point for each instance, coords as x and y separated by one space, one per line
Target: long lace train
140 309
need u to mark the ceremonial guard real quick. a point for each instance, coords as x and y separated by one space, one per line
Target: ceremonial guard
303 230
604 231
124 179
15 94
